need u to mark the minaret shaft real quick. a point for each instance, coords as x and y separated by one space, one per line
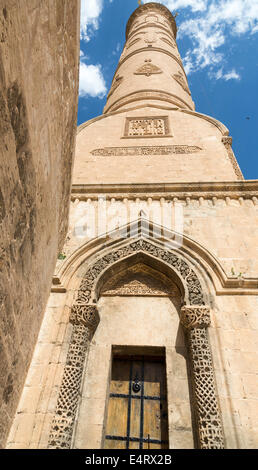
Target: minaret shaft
150 69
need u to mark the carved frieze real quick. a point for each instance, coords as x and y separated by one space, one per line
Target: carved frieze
148 69
140 280
209 428
153 126
145 150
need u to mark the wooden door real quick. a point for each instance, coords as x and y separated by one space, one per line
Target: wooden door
137 408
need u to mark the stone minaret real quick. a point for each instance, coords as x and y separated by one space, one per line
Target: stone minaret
150 69
149 131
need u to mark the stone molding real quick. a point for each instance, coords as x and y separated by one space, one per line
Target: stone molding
184 192
147 94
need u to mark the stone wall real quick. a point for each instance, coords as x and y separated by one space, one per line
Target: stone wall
39 50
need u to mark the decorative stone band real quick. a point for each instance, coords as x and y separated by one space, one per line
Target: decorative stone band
145 150
195 317
195 320
85 319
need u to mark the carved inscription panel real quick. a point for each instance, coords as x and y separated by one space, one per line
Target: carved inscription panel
147 127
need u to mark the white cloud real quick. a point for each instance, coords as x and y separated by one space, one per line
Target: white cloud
212 24
90 12
233 75
92 82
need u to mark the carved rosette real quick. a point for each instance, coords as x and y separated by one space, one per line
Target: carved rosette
85 319
195 321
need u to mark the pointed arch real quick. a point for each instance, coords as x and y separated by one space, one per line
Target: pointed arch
195 318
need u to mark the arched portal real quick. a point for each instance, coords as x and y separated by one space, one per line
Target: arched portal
173 269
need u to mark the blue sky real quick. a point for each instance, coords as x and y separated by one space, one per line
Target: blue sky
218 43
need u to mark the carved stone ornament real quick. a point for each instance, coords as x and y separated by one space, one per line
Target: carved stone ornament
84 318
207 413
191 281
145 150
86 315
153 126
195 317
140 280
179 77
148 69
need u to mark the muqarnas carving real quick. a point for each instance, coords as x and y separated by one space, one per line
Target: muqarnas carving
148 69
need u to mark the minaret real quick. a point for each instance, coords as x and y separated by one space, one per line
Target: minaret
149 131
150 69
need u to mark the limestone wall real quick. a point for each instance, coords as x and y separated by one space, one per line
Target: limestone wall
39 49
153 145
225 226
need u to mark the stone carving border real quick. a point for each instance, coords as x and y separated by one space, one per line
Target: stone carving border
84 317
195 321
145 150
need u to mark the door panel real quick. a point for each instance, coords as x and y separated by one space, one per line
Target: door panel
137 409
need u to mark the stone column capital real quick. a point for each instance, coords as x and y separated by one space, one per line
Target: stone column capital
195 316
86 315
